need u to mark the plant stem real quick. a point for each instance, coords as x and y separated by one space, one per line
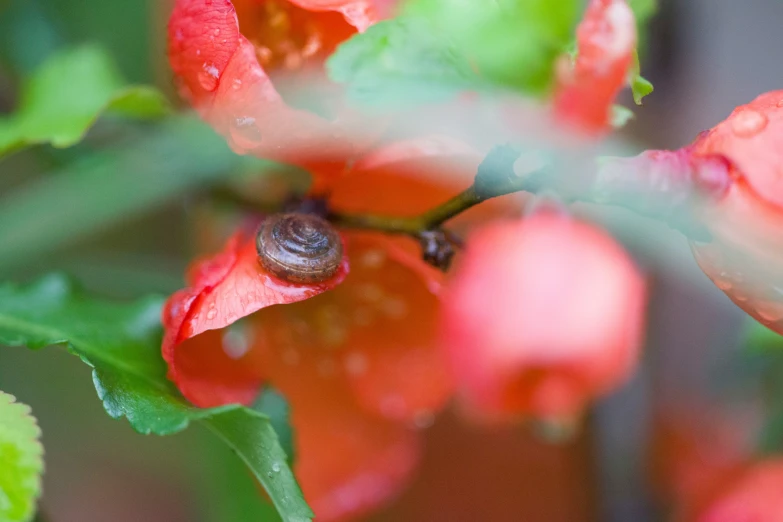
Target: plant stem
412 226
495 177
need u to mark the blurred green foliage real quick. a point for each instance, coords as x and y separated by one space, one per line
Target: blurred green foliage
65 96
21 458
31 30
438 47
512 43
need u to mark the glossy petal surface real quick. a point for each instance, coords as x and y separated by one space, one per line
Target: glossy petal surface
359 13
542 316
606 39
745 257
751 139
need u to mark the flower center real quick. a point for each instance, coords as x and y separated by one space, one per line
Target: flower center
287 36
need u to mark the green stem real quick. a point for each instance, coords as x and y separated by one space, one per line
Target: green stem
495 177
412 226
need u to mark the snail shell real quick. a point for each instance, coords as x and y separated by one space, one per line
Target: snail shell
299 248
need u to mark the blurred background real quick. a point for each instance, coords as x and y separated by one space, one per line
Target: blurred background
703 56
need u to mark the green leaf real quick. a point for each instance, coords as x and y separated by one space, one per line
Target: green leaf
621 116
643 10
438 47
21 460
400 60
759 338
112 185
121 342
512 43
640 86
224 492
274 406
67 94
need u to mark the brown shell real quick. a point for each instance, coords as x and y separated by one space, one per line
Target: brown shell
299 248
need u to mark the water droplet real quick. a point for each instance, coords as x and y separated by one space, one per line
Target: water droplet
557 430
216 32
395 308
748 123
362 316
326 368
373 259
723 284
423 419
290 357
244 133
212 312
208 77
770 311
236 342
236 84
370 292
356 363
393 406
276 467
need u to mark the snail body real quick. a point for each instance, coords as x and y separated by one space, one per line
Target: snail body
299 248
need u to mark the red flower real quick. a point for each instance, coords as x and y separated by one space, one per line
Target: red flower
695 447
225 73
542 316
745 256
606 39
751 495
358 363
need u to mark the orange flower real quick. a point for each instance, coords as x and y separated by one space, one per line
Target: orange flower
542 316
358 364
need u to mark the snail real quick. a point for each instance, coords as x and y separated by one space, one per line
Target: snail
299 248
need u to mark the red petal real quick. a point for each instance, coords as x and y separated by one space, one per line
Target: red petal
320 353
745 257
606 39
219 72
359 13
752 496
751 139
225 288
376 330
348 462
696 447
542 316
